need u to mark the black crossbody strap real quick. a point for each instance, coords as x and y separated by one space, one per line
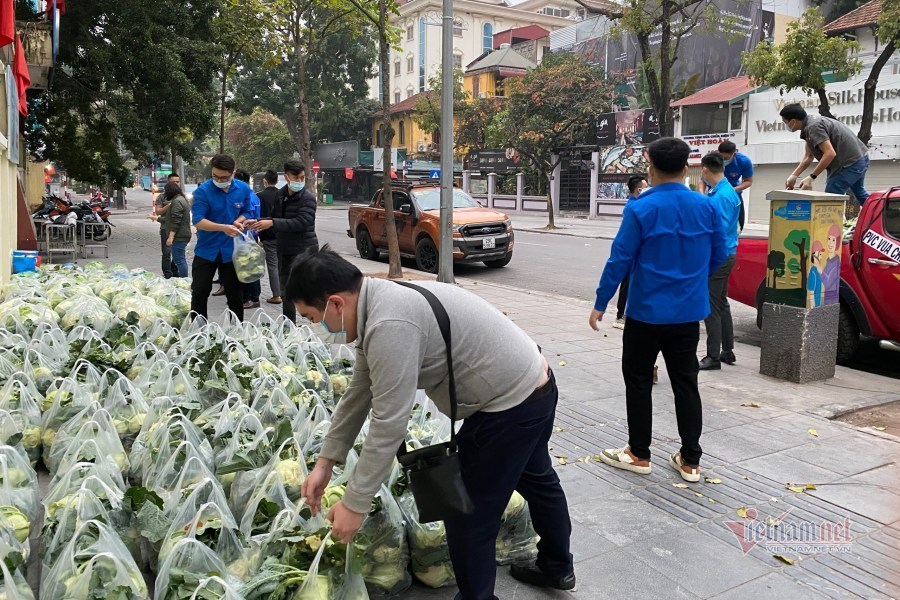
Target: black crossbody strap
443 319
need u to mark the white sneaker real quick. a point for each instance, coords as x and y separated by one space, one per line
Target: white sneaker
688 473
622 458
619 324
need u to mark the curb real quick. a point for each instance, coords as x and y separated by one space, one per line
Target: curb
563 233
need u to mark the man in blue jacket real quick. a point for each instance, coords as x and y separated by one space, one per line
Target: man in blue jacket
221 205
719 326
669 244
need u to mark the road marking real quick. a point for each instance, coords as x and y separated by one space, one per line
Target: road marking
530 244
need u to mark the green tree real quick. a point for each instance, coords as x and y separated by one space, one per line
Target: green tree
659 26
552 106
427 110
474 119
800 61
132 77
775 263
797 242
258 141
888 33
378 13
240 29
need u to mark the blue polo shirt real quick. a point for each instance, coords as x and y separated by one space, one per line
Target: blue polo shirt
223 207
741 168
728 202
668 245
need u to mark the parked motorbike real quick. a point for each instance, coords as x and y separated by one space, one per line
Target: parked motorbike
59 210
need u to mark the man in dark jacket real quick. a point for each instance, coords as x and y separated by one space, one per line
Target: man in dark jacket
293 218
268 199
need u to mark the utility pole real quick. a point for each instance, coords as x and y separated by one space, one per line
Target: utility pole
445 266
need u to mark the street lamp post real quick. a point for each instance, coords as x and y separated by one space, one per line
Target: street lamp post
445 266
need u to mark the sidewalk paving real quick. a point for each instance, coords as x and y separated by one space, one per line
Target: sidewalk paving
642 537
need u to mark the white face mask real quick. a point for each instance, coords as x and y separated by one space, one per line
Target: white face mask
328 336
222 185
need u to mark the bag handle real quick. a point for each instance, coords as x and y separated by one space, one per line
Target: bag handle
443 319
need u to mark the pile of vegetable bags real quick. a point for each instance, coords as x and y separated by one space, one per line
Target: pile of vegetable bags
179 447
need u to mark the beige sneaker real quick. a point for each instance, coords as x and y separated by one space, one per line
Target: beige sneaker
622 458
619 324
687 472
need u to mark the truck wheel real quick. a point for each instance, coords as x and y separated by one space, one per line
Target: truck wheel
499 263
427 256
365 245
848 336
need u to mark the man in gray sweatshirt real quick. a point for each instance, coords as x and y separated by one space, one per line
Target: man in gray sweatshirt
505 391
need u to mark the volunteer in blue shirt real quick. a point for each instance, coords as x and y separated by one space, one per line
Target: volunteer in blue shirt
221 205
669 244
719 326
738 172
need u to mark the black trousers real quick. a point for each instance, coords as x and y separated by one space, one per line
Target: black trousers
623 299
501 452
719 325
204 271
251 291
642 343
284 271
168 267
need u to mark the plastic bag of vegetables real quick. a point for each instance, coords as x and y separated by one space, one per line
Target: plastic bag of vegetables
38 369
103 479
125 404
71 441
85 310
94 565
428 550
159 441
272 404
218 421
381 545
12 432
293 579
249 259
188 564
248 446
12 580
213 525
267 501
137 309
20 400
18 491
287 462
82 505
517 540
24 316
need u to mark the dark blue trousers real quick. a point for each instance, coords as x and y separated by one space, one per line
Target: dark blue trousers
501 452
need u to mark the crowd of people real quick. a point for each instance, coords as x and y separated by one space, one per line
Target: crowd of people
281 220
670 263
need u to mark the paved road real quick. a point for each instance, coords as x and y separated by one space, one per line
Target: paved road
564 266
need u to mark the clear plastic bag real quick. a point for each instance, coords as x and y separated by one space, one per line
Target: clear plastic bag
272 404
188 565
429 553
176 300
81 506
125 404
137 309
300 560
288 462
517 540
21 315
381 546
352 586
248 446
85 310
249 259
91 425
21 400
176 384
105 482
340 369
94 564
212 524
38 369
18 491
13 585
160 439
267 501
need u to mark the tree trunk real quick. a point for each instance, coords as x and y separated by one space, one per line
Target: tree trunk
551 218
666 125
865 127
303 124
824 105
801 250
387 137
222 94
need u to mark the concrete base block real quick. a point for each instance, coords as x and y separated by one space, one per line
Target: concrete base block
799 344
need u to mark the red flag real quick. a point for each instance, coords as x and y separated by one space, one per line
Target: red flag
23 79
61 5
7 22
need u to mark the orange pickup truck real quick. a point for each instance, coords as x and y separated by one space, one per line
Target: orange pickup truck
479 234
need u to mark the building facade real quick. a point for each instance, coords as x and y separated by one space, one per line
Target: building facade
476 24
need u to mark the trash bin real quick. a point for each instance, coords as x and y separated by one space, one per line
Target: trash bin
329 198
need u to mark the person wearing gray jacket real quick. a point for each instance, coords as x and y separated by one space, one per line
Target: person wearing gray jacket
505 392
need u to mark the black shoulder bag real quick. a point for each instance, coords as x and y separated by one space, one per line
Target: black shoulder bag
433 472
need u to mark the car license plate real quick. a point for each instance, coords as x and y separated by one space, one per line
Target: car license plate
489 243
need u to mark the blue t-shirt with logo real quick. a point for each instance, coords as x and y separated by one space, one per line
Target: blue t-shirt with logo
741 168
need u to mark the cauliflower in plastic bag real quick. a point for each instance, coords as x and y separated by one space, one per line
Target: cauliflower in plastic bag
249 259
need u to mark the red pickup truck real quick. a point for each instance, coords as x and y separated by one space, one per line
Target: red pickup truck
870 275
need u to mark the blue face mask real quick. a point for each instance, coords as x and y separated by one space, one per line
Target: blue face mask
296 186
222 185
328 336
729 161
